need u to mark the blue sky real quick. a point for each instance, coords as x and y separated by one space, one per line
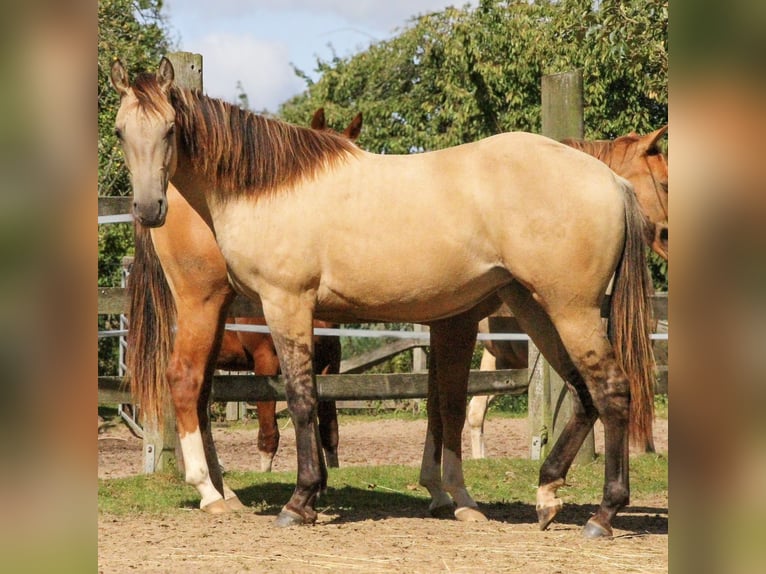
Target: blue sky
254 42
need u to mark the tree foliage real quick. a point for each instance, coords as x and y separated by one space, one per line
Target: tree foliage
463 74
135 32
459 75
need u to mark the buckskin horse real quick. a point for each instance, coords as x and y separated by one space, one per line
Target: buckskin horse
639 160
317 227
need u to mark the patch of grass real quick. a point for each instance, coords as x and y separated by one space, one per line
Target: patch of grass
661 406
383 490
155 493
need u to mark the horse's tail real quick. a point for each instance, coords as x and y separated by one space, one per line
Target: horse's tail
150 329
630 320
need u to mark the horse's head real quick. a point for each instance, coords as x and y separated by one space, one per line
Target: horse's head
145 126
642 162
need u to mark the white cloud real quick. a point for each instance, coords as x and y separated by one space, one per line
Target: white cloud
262 68
255 41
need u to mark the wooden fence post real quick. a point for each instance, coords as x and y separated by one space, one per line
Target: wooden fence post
161 448
550 406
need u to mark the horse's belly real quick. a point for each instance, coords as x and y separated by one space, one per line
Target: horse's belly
399 297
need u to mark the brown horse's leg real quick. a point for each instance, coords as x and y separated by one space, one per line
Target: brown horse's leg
430 467
535 321
452 344
190 378
328 431
327 353
268 433
291 327
265 362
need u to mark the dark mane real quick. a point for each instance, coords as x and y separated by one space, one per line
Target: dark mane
242 152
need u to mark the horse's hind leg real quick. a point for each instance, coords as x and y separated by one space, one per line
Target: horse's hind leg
190 375
610 389
452 344
535 321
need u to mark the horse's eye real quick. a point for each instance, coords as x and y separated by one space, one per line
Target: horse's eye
171 131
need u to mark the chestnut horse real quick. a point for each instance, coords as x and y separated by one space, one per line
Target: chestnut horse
179 276
315 226
639 160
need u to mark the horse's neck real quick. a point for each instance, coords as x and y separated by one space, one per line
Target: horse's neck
191 187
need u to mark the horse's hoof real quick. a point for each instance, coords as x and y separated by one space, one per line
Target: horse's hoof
235 504
469 514
287 518
546 514
593 529
219 506
445 511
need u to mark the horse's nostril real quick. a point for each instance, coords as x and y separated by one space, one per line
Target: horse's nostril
664 234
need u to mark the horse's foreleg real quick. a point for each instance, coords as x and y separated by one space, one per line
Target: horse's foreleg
291 326
190 378
452 344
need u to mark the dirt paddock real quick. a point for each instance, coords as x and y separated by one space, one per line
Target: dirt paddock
189 541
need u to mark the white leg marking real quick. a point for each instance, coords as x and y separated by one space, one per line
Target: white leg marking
197 473
454 483
430 476
546 495
267 460
477 411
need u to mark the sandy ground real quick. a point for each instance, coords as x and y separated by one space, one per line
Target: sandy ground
190 541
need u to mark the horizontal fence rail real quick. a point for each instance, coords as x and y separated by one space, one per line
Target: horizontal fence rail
364 386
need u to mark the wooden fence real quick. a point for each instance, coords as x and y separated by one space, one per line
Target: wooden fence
352 383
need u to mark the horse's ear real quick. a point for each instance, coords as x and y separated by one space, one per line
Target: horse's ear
354 128
649 141
318 122
119 78
165 74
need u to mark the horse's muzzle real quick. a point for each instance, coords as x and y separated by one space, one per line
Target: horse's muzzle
152 213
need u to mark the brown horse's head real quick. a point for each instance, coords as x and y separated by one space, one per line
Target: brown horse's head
640 160
145 126
352 131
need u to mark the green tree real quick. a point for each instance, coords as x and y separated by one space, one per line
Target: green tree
462 74
135 32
